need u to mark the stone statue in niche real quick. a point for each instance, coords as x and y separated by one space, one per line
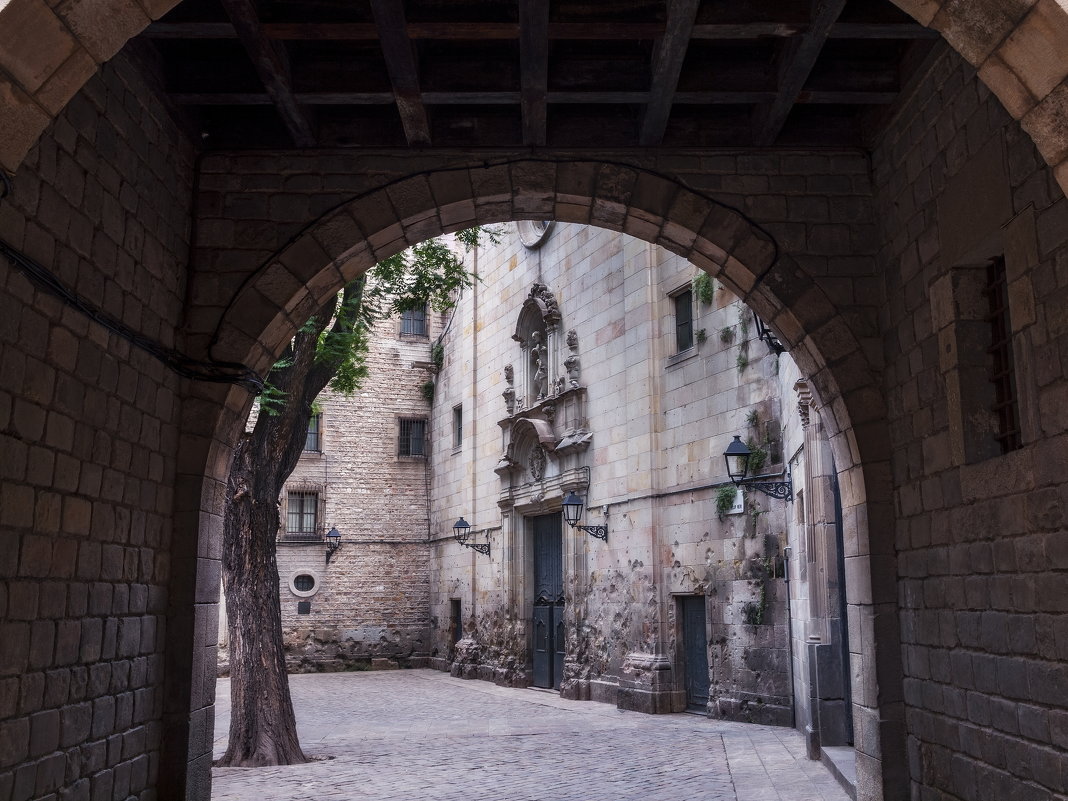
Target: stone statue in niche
538 359
571 363
537 463
509 391
549 410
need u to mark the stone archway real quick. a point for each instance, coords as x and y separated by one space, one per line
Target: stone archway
274 299
47 53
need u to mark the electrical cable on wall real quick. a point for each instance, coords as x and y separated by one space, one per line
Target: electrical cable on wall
217 372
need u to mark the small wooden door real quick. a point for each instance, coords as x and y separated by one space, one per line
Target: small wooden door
548 614
695 650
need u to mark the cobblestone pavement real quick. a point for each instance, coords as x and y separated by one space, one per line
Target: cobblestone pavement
418 735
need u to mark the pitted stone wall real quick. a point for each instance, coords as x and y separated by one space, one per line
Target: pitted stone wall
659 423
88 437
981 544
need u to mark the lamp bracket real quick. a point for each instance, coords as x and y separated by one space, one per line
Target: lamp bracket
600 532
481 547
784 490
331 549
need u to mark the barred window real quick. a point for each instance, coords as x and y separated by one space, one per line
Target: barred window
413 322
1002 371
303 515
683 321
312 442
411 439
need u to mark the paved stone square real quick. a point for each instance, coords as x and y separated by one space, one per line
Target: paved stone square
421 734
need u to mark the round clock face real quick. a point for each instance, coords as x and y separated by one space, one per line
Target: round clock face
532 233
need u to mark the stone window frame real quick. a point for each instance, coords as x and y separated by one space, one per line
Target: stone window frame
965 362
308 487
305 571
315 420
408 319
457 427
400 425
673 297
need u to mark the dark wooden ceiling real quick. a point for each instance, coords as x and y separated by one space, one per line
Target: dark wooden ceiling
565 73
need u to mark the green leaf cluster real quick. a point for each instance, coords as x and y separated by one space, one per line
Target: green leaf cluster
430 274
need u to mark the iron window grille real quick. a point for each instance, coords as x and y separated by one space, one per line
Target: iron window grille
302 515
413 322
411 438
1002 370
683 320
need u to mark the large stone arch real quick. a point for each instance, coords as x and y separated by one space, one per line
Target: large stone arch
275 299
47 52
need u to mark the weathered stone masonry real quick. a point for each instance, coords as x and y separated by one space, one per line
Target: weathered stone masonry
980 702
981 544
88 437
371 605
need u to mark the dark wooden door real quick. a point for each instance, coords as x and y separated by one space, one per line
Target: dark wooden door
548 616
695 650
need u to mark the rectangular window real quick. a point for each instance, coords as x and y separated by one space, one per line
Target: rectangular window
312 442
411 439
457 426
302 515
413 322
1002 371
683 321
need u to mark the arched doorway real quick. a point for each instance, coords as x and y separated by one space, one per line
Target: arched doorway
737 251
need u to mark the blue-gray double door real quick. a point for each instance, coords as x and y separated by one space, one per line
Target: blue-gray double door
548 616
695 649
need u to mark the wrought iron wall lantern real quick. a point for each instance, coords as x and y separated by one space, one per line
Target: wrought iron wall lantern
333 542
737 458
461 529
767 336
573 513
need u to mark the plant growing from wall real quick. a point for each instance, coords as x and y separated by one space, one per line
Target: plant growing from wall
726 334
702 335
753 612
427 389
744 316
704 288
753 418
742 361
437 354
758 455
725 497
329 350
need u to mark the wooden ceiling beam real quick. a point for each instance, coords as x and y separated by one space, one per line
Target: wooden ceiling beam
399 53
272 65
534 69
505 31
795 65
668 56
738 98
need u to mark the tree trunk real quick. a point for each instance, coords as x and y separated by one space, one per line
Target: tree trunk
263 729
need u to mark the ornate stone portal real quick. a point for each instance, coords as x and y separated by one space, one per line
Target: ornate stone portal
545 429
544 434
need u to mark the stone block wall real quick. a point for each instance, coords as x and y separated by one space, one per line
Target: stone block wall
88 437
371 601
980 540
659 421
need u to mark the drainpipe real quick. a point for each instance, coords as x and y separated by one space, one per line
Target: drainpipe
789 636
473 458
